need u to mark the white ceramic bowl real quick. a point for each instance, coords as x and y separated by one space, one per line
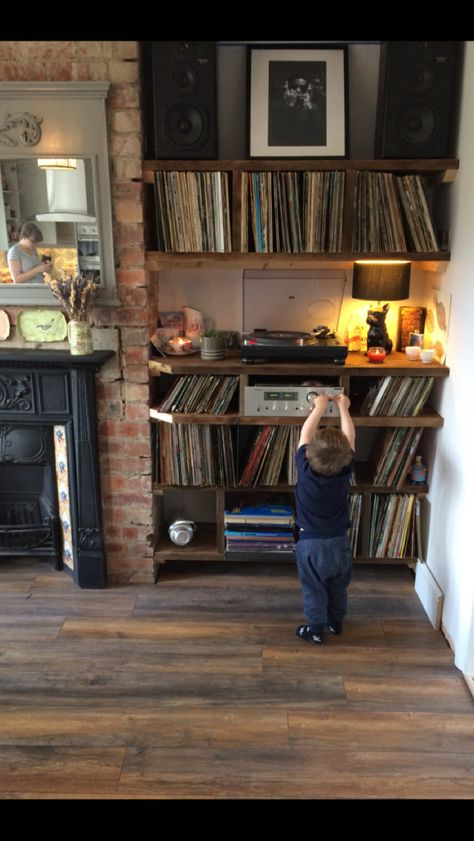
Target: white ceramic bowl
412 351
427 355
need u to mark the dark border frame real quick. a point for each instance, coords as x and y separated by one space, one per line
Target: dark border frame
334 148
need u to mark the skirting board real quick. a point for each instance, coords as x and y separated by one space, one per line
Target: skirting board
429 594
470 682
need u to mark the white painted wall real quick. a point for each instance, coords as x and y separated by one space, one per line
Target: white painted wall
217 292
450 554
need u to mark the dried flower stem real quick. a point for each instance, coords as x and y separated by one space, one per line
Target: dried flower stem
74 293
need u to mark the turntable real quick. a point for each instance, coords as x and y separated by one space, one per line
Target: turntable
281 345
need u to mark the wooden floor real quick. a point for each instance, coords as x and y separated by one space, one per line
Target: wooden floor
199 688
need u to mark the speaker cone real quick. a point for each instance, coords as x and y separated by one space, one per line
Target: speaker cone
420 78
417 122
185 125
184 80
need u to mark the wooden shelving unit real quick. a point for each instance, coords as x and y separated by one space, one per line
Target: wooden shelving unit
210 543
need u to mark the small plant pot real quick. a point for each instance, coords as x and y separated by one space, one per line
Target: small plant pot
212 347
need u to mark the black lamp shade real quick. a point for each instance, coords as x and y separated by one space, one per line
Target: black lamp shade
388 281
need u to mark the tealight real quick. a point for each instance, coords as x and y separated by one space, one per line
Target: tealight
179 343
376 354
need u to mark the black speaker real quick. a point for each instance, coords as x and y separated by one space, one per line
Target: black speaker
184 99
418 99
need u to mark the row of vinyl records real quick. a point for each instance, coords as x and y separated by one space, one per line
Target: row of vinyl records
397 396
204 455
392 531
292 212
193 211
391 214
212 394
202 393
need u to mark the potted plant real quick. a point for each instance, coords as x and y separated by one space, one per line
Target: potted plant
213 343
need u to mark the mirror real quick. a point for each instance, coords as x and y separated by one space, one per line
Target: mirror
61 202
63 122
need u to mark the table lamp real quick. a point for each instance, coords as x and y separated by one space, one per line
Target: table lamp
377 280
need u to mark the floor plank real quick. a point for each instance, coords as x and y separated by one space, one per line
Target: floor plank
60 769
361 730
276 773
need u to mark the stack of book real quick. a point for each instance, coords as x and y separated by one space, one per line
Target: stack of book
259 528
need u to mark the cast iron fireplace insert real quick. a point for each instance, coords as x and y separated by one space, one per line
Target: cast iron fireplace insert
43 391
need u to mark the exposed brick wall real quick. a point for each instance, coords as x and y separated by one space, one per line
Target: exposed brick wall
123 392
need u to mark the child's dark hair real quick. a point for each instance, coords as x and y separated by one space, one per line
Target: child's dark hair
329 452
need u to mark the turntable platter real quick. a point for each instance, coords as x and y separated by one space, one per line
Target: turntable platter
279 338
287 344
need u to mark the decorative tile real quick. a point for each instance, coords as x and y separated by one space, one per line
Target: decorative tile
62 481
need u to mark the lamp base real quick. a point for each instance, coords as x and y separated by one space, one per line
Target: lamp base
377 335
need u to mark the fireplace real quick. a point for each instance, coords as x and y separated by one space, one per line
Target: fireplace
29 512
49 475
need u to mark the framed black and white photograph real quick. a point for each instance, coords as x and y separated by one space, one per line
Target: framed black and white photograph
297 102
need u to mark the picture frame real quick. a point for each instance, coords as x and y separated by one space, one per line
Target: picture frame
297 102
410 320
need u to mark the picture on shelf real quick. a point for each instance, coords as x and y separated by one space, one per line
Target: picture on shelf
172 319
297 102
437 323
410 320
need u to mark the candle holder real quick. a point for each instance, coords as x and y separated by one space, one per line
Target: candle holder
179 344
376 354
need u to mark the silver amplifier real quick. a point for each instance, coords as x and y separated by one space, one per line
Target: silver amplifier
281 400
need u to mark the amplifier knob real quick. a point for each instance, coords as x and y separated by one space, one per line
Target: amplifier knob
310 395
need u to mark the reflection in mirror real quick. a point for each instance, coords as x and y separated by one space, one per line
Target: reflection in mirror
61 203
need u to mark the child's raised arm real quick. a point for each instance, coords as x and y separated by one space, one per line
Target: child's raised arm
347 426
310 425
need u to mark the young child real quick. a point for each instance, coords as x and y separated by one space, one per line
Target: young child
324 460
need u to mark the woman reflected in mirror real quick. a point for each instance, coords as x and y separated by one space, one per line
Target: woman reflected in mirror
24 262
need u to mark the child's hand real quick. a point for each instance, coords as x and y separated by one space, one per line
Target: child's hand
342 401
320 402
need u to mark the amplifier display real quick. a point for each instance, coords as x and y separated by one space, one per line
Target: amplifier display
281 400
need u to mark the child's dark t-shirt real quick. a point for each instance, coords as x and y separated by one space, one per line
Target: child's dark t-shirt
321 501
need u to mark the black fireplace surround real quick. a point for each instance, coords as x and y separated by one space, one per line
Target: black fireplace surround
40 389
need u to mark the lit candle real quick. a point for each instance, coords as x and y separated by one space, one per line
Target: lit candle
376 354
179 344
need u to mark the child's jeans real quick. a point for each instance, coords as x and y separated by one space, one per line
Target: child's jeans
325 570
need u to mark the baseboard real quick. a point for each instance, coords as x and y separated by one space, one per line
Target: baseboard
448 637
469 680
470 683
429 593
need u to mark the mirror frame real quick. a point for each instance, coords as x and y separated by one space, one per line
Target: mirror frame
71 121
